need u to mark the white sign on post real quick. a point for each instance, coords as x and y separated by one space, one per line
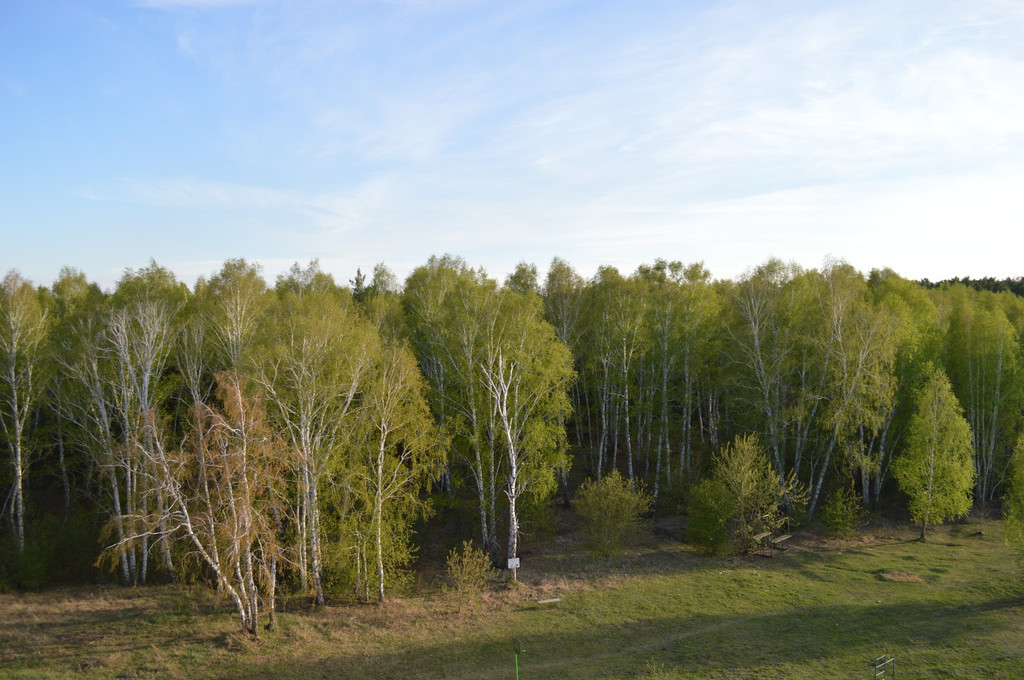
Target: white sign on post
513 563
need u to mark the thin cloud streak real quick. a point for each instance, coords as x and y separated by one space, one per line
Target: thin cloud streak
194 4
724 132
336 212
192 194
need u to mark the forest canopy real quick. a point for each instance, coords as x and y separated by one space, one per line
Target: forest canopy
249 434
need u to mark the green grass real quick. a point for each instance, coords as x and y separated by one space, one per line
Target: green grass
952 607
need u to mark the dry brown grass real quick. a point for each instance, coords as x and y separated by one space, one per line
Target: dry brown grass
658 601
181 631
902 576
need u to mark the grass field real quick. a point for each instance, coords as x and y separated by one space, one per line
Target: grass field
951 607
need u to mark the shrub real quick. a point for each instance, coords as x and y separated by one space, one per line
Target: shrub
611 510
842 513
468 570
741 499
54 553
711 512
753 488
1013 502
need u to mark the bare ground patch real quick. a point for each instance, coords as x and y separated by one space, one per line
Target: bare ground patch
901 576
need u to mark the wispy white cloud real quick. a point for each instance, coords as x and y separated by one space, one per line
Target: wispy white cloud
829 96
194 4
430 6
190 193
740 99
602 132
332 212
14 88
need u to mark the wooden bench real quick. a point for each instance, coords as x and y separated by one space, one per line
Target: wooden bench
780 542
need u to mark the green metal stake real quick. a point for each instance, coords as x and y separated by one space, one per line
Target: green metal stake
517 647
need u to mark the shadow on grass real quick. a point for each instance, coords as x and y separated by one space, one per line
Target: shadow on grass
815 637
108 623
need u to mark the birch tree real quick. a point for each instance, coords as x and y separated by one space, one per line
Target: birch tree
664 317
223 510
982 355
397 455
523 279
695 332
563 296
526 374
616 311
683 307
312 368
140 333
72 297
235 302
449 305
858 350
775 370
382 303
23 342
918 343
936 470
112 354
86 400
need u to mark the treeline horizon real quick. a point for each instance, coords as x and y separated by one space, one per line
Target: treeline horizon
243 433
1014 285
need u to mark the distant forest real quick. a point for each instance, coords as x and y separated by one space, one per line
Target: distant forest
1015 286
248 434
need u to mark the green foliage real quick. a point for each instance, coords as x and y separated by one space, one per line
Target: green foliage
396 454
523 279
468 571
842 513
499 378
24 329
1015 286
611 510
536 512
936 470
741 500
232 302
754 488
824 365
981 356
55 553
299 281
33 568
1013 502
711 513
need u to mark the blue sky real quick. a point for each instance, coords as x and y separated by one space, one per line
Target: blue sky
191 131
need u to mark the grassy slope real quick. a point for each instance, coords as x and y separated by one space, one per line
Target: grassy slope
952 607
